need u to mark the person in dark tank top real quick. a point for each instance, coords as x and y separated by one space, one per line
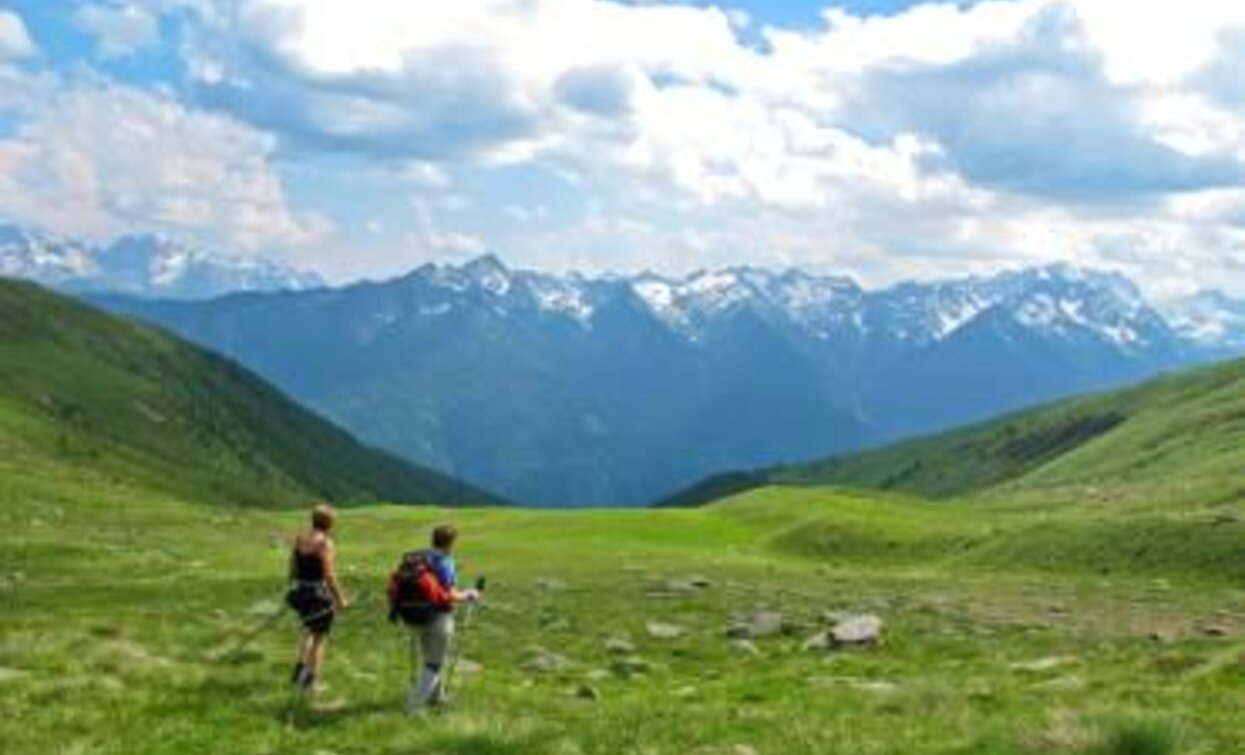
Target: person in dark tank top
315 594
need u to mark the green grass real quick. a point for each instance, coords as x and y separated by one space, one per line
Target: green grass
120 601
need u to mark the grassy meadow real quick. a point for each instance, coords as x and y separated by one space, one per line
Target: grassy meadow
130 618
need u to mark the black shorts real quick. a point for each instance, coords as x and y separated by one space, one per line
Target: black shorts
313 605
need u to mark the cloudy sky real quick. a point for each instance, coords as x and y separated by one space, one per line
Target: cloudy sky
878 138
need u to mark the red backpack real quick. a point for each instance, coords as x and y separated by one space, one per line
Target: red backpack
416 595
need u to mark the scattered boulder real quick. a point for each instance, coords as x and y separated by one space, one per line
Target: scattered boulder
766 624
631 666
1040 665
820 642
542 661
863 630
619 646
745 646
761 624
663 631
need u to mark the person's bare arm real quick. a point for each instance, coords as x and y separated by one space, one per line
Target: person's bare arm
330 575
471 595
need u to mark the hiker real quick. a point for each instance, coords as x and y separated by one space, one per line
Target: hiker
315 594
422 593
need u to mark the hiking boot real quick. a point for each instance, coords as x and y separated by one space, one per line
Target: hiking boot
306 681
296 676
422 691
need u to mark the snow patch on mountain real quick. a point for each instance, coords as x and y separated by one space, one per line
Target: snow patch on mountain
561 296
140 265
1209 318
1057 301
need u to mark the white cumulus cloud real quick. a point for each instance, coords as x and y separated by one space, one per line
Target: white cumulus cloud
15 41
942 138
119 29
97 158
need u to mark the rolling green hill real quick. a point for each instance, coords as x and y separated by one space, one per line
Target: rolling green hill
132 403
1185 432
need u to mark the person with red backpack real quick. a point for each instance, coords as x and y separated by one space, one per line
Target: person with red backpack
422 592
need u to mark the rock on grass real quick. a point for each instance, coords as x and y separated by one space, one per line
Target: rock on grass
662 631
864 630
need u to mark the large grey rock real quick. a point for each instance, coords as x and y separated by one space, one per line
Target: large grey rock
863 630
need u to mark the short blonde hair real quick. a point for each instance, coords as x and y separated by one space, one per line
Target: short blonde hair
322 517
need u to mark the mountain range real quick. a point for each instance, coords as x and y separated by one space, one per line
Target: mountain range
565 390
140 265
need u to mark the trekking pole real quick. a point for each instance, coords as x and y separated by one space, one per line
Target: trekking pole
462 636
251 635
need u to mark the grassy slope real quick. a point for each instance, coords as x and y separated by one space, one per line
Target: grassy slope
1183 433
139 404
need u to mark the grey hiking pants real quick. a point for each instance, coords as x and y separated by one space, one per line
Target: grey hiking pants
433 641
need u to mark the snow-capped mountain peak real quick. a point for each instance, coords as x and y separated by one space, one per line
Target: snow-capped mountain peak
489 273
1211 319
139 264
1055 301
